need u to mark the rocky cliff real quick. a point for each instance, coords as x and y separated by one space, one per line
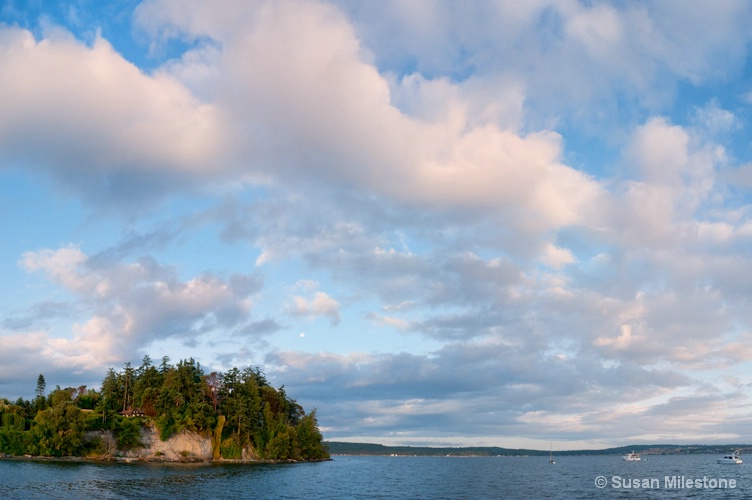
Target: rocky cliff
182 447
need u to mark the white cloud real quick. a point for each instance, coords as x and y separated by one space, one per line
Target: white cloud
660 152
320 305
674 177
390 321
715 120
82 112
599 29
623 341
316 109
64 266
557 257
135 304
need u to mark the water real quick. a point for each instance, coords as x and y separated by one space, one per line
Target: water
380 478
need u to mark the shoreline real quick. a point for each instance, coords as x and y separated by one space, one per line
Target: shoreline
127 460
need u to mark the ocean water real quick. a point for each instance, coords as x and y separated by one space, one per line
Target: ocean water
348 477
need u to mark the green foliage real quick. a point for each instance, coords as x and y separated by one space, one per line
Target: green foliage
128 433
88 400
310 440
147 387
60 396
95 448
166 426
282 445
183 402
112 394
239 409
14 442
59 430
231 448
94 422
217 438
41 386
13 420
103 417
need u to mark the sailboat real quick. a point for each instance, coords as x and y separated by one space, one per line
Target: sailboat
551 454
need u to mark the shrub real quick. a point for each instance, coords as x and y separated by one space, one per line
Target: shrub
231 449
128 433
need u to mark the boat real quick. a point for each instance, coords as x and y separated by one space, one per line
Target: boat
551 455
631 457
734 458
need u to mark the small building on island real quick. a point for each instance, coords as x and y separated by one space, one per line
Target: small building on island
132 412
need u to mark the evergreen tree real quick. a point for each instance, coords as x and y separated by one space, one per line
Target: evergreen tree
41 386
127 378
111 400
165 366
147 387
310 440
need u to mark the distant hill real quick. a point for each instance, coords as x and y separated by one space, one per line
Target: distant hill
346 448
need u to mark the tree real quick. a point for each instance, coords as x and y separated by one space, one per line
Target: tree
213 383
59 430
128 433
128 381
147 387
40 402
87 400
310 440
165 366
41 386
111 395
59 396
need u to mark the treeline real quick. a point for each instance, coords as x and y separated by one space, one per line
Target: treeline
347 448
243 414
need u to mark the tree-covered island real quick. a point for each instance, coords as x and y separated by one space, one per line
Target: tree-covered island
238 412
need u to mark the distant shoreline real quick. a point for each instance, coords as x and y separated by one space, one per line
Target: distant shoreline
341 448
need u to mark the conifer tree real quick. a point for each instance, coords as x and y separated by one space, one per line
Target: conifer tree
41 386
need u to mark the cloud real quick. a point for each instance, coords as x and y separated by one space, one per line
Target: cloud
62 266
675 176
714 120
101 126
318 107
295 114
135 304
320 304
27 353
487 386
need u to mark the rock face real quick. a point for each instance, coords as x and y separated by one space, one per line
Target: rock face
182 447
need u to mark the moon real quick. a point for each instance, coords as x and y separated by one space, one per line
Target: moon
302 334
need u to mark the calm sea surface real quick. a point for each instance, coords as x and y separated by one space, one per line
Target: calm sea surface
385 478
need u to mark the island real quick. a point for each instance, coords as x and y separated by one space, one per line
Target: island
174 413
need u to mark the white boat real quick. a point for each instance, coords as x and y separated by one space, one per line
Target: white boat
734 458
632 457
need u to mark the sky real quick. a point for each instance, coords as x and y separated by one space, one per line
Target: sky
438 223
